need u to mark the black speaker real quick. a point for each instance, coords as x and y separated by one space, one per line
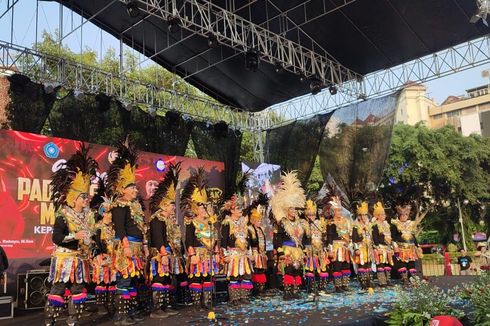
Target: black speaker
32 289
220 288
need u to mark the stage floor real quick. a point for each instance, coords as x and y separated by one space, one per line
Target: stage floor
353 308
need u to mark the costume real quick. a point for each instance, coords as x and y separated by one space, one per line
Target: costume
256 234
315 248
290 232
339 231
363 246
404 243
70 259
166 243
200 239
130 233
383 251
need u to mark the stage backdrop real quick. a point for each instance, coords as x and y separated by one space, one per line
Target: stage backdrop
27 162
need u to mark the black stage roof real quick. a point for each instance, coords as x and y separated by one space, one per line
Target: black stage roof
364 36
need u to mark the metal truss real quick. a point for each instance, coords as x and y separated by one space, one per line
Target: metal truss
458 58
205 18
51 70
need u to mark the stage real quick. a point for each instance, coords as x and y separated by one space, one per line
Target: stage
352 308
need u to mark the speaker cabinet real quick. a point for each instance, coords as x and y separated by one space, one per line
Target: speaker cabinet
220 289
6 308
32 289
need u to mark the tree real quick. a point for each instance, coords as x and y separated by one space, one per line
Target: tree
433 169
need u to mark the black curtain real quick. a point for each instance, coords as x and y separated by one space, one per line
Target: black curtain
295 146
355 145
217 142
29 105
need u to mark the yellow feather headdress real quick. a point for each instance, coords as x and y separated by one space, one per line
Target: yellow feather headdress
362 209
289 194
378 209
122 172
310 206
166 190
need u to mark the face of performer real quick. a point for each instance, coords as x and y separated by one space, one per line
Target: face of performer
201 210
257 223
364 218
151 186
130 192
381 217
81 202
337 213
403 217
106 214
291 213
236 213
168 209
311 215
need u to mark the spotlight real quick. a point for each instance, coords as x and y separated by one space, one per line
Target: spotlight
152 111
173 24
172 117
50 88
160 165
333 90
303 78
252 60
103 102
316 86
221 129
133 9
78 94
212 41
128 106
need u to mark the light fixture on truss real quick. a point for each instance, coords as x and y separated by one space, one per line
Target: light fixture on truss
482 12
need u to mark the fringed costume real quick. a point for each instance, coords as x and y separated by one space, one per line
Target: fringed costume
363 246
72 232
383 251
316 266
200 239
339 231
404 243
290 232
166 249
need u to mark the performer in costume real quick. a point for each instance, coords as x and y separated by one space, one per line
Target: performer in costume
200 239
165 243
235 246
256 234
405 244
363 246
383 251
72 232
316 252
130 244
290 232
339 231
103 275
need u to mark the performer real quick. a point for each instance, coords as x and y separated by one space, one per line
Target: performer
235 245
404 243
383 251
166 248
130 244
72 233
103 274
316 252
290 232
339 231
256 234
363 246
200 239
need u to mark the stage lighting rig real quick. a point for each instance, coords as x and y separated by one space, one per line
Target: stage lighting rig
482 12
316 85
333 90
212 41
252 60
278 68
173 24
133 9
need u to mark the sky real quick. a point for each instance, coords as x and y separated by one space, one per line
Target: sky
24 34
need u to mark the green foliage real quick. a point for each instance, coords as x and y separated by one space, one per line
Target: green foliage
452 247
316 178
419 304
478 295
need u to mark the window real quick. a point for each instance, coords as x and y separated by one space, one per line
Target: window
454 113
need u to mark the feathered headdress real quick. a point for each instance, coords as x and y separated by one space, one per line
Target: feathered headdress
403 209
362 209
378 209
122 172
101 201
310 207
236 199
289 194
194 192
73 178
166 190
256 210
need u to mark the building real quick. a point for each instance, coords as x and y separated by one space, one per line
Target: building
414 105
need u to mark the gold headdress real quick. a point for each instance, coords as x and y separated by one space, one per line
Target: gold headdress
289 194
378 209
403 209
166 190
310 206
256 210
362 209
73 179
194 192
122 172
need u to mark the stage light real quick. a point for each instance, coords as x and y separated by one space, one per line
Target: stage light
252 60
133 9
50 88
333 90
303 78
160 165
221 129
173 24
103 102
316 86
482 12
172 117
152 111
213 41
278 68
78 94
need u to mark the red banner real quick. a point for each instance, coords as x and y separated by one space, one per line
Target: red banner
27 162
